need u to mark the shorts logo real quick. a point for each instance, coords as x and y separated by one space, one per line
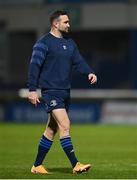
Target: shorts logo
64 47
53 103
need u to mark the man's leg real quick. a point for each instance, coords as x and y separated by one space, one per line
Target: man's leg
61 116
51 129
45 144
64 128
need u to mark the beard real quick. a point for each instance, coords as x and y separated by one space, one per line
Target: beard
64 33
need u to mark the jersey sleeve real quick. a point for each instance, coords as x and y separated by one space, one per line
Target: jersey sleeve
79 62
37 59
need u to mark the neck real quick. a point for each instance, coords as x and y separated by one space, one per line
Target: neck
56 33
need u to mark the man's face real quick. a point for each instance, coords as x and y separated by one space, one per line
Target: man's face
62 24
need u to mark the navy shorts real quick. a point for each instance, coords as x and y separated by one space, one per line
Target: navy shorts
56 99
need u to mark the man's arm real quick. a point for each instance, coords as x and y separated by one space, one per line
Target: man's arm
80 64
37 59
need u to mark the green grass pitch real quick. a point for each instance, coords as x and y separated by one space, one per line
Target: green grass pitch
111 149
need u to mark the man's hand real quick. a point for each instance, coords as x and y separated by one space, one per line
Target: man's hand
33 97
92 78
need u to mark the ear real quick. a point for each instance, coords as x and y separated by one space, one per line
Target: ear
55 23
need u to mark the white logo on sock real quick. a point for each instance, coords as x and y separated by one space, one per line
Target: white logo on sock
72 151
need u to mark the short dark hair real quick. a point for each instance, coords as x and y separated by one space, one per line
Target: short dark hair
56 14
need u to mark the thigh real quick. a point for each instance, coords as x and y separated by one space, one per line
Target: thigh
52 124
51 128
61 117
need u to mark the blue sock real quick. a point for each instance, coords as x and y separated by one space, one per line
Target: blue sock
68 148
43 149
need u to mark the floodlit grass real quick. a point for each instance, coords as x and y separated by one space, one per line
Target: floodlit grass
111 149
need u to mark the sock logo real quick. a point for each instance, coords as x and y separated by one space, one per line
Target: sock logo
53 102
72 151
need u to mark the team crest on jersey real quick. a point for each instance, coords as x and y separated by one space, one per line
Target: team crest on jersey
53 103
64 47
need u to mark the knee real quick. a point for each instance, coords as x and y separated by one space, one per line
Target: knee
64 129
50 132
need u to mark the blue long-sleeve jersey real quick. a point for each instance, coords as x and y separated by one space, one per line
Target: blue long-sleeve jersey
52 62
